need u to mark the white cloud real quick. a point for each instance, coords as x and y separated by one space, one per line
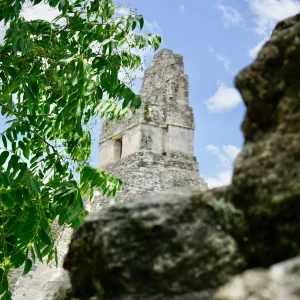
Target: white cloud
226 156
230 15
153 27
223 100
223 158
123 11
182 8
40 11
224 60
268 12
231 151
222 179
255 50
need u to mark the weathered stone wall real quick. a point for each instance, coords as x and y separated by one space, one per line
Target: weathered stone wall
145 172
164 123
158 141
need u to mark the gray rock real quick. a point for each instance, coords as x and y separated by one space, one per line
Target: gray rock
280 282
170 243
266 180
64 292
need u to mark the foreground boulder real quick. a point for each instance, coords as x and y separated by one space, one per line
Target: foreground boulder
171 243
185 244
280 282
266 180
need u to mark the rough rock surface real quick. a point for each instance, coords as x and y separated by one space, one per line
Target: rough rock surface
43 280
173 243
280 282
179 244
266 180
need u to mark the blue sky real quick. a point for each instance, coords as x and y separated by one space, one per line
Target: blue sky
217 39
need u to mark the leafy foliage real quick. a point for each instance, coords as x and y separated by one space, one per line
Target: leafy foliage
54 78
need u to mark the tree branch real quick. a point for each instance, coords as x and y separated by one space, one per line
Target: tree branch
8 109
3 53
38 135
20 115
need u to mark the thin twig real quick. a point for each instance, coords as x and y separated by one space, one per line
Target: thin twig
20 115
38 135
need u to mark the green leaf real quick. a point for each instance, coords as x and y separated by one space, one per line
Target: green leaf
4 180
141 20
3 281
6 200
56 256
45 237
29 94
13 162
26 152
38 251
59 168
9 136
22 145
53 3
4 141
126 102
34 184
32 254
75 79
34 85
3 157
28 266
47 250
6 296
15 45
17 259
136 102
133 26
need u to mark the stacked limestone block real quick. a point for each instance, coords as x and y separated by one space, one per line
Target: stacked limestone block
154 149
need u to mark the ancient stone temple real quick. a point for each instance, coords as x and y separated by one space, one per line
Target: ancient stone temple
154 149
151 151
